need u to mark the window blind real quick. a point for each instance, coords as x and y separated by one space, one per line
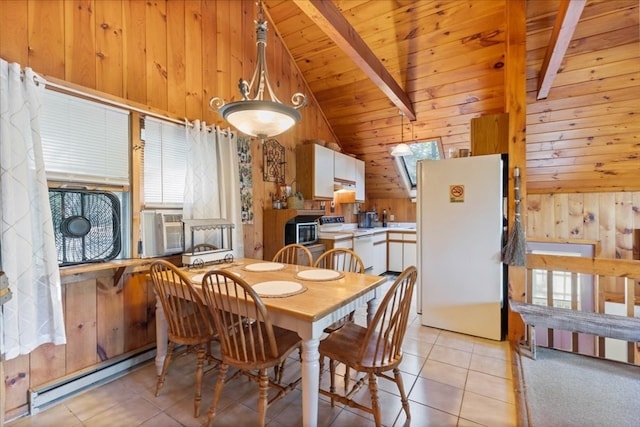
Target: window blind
84 141
164 163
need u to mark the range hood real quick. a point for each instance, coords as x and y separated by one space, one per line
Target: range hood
340 185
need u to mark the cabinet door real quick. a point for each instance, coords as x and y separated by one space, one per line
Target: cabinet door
322 177
409 250
395 256
343 243
379 257
344 167
359 180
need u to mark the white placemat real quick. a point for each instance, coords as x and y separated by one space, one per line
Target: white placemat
319 275
264 266
278 288
197 278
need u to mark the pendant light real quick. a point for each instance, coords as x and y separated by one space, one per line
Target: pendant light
253 115
401 149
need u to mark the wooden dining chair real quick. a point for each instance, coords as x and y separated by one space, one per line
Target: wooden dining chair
373 350
294 254
340 259
256 345
189 322
201 247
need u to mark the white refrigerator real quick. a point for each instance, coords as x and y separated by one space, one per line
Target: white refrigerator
460 226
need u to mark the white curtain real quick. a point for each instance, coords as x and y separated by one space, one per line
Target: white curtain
212 187
27 246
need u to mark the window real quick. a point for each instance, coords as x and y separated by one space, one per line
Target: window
87 142
565 290
164 163
84 141
431 149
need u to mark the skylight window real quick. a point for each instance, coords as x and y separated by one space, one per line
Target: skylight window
431 149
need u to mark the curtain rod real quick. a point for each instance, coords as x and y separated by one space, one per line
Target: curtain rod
69 90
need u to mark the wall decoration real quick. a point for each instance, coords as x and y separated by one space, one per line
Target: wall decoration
246 181
274 160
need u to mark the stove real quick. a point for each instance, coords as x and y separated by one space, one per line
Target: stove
330 223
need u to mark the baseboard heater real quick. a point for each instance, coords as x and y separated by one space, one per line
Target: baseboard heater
50 393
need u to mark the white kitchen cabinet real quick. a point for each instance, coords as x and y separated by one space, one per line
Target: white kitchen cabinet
394 246
344 167
343 243
360 193
314 172
402 250
379 253
409 250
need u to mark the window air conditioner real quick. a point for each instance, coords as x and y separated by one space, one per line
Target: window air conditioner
161 233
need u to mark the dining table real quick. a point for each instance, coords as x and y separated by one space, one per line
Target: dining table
298 298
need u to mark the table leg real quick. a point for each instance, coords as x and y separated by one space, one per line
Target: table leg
161 337
310 381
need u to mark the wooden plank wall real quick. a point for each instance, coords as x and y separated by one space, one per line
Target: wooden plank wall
170 56
608 218
103 320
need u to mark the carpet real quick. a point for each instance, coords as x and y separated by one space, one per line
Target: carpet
564 389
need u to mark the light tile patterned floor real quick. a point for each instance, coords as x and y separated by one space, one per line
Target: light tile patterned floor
452 380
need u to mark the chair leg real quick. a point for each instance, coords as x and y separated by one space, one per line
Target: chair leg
332 387
165 367
375 403
347 378
216 395
403 396
199 367
262 398
278 370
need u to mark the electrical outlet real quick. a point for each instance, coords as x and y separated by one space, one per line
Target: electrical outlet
392 217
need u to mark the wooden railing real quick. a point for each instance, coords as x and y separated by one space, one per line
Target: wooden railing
614 280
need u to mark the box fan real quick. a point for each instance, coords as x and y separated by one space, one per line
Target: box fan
86 225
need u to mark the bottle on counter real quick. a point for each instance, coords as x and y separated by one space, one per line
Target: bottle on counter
384 218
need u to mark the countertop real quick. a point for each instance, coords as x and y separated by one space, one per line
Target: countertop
346 232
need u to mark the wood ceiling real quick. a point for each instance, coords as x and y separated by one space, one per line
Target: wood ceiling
443 61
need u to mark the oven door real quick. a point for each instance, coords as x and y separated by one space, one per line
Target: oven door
307 233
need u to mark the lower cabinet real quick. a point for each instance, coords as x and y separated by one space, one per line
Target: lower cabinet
379 253
402 250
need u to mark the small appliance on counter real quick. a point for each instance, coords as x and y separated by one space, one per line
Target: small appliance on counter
367 219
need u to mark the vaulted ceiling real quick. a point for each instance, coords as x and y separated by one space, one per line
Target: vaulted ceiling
442 63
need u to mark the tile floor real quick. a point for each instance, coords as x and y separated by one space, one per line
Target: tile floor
451 379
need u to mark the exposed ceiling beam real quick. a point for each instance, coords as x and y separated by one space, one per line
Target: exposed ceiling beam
327 16
566 21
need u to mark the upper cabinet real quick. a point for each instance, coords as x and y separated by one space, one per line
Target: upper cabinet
490 134
318 168
344 168
359 180
314 171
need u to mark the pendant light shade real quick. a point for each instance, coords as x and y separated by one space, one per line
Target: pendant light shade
253 115
401 149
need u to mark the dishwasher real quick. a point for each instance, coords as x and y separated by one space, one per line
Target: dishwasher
363 246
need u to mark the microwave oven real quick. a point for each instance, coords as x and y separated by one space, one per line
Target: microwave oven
303 233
